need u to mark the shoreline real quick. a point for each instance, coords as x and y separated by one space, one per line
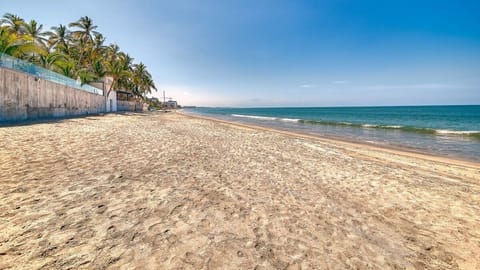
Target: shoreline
398 150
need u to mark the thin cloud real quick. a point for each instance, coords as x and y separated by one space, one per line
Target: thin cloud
411 86
340 82
308 86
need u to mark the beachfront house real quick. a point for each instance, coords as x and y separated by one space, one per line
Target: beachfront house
111 100
119 99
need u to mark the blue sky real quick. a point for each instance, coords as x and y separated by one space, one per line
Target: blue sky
291 53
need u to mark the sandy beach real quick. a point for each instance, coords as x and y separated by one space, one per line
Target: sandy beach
169 191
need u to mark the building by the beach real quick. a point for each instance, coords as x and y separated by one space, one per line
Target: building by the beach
171 104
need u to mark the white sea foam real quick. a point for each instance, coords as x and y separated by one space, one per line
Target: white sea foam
393 126
255 117
369 126
289 119
457 132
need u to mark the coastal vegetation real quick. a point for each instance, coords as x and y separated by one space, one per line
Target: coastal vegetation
76 50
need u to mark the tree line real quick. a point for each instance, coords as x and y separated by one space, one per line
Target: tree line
75 50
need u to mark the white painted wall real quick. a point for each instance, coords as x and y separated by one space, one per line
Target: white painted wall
111 102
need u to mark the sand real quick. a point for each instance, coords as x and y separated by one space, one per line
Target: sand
167 191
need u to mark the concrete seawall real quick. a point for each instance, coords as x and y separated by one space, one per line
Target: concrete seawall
27 97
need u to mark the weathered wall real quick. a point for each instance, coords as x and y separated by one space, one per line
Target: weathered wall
129 106
25 97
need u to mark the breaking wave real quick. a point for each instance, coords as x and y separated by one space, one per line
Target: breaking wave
441 132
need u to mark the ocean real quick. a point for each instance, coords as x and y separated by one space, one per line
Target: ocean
452 131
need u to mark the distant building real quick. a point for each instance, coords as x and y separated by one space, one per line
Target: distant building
171 104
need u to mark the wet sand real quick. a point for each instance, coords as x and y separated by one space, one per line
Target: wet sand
168 191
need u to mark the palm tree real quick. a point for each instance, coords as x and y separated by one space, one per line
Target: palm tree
120 69
84 35
95 51
50 59
98 42
11 31
33 32
59 38
66 67
11 44
8 42
86 76
112 51
142 81
86 29
14 23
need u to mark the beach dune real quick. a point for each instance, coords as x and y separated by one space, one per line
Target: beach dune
169 191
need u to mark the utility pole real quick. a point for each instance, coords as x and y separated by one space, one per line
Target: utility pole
164 97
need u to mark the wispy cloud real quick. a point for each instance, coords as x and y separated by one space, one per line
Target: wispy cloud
340 82
411 86
308 86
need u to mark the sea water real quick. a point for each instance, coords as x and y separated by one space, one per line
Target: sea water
452 131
